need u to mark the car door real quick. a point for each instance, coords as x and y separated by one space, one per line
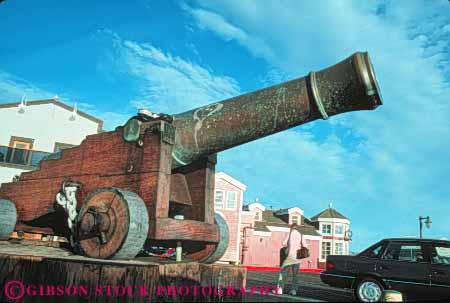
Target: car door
403 267
440 270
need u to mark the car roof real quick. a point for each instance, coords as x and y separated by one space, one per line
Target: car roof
416 240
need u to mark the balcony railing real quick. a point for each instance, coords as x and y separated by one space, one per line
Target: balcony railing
21 157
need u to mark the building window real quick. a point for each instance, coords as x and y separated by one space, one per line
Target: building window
231 200
326 249
339 229
257 217
20 151
294 220
339 249
21 144
326 229
218 201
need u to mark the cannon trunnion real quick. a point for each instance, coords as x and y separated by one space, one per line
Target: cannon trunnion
151 181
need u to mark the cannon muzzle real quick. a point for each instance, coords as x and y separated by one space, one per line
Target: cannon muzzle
347 86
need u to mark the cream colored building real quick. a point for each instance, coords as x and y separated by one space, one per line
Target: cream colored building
30 131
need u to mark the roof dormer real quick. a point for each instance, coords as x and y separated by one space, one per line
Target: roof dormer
291 215
257 209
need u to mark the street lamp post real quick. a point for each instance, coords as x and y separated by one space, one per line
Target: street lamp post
348 235
427 223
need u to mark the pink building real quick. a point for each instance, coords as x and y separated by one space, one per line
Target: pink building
229 195
263 232
257 233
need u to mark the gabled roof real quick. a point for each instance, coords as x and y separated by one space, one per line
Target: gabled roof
58 103
329 213
308 221
308 230
304 229
288 211
260 226
231 180
253 205
282 210
270 219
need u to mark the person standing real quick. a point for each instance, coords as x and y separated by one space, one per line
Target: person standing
293 242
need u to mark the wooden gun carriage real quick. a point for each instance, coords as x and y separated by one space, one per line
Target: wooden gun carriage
151 181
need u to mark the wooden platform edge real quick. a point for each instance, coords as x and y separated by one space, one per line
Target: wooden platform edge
26 278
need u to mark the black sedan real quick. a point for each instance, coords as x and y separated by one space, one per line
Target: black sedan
418 268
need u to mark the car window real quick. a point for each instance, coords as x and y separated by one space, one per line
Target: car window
440 254
373 251
404 252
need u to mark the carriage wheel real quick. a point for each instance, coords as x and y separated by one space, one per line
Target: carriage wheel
8 218
211 253
112 224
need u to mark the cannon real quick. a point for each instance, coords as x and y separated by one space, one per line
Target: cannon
151 181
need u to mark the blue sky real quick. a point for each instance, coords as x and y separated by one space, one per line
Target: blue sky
382 169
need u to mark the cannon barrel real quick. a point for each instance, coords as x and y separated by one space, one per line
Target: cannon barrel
349 85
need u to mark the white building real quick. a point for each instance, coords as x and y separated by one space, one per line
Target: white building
335 230
33 130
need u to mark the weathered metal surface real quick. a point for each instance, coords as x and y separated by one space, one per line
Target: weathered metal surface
347 86
8 218
112 223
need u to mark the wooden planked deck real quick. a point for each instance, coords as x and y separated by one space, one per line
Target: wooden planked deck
37 272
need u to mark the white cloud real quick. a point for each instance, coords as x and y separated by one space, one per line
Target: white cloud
395 171
168 83
12 88
211 21
165 83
